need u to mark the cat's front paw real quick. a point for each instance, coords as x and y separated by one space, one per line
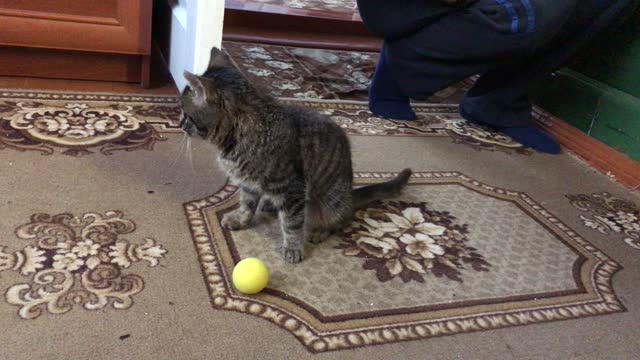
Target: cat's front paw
317 236
236 220
293 255
267 207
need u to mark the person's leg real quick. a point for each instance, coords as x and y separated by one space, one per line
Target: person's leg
386 99
534 36
500 101
463 43
499 98
493 37
489 34
508 110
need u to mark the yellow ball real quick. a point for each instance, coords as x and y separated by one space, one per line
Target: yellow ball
250 276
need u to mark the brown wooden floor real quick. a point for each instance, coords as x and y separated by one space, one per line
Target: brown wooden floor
161 83
11 82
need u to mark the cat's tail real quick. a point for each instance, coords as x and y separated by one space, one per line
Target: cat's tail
364 195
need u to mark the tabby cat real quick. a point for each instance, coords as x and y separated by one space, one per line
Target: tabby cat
286 158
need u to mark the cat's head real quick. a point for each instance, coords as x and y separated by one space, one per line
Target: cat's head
211 98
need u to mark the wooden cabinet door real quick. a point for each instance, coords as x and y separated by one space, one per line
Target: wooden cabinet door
111 26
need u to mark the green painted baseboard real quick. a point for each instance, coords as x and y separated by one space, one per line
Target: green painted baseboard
602 111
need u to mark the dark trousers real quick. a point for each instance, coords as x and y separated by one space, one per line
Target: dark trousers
508 42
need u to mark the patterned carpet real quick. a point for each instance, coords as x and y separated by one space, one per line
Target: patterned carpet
111 245
408 268
314 73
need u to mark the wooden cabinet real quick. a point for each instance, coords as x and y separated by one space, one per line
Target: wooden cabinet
88 39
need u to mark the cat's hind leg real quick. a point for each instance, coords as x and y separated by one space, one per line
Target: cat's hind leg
327 215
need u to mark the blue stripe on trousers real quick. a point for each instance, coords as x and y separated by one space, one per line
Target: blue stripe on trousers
515 22
531 16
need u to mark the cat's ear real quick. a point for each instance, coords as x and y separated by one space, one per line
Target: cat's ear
217 58
196 84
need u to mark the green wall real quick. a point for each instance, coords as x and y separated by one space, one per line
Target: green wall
616 58
600 92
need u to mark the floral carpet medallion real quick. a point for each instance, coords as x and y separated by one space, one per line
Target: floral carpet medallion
76 261
409 241
450 255
610 215
77 124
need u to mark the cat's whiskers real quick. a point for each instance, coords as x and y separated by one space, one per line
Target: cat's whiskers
179 150
190 154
